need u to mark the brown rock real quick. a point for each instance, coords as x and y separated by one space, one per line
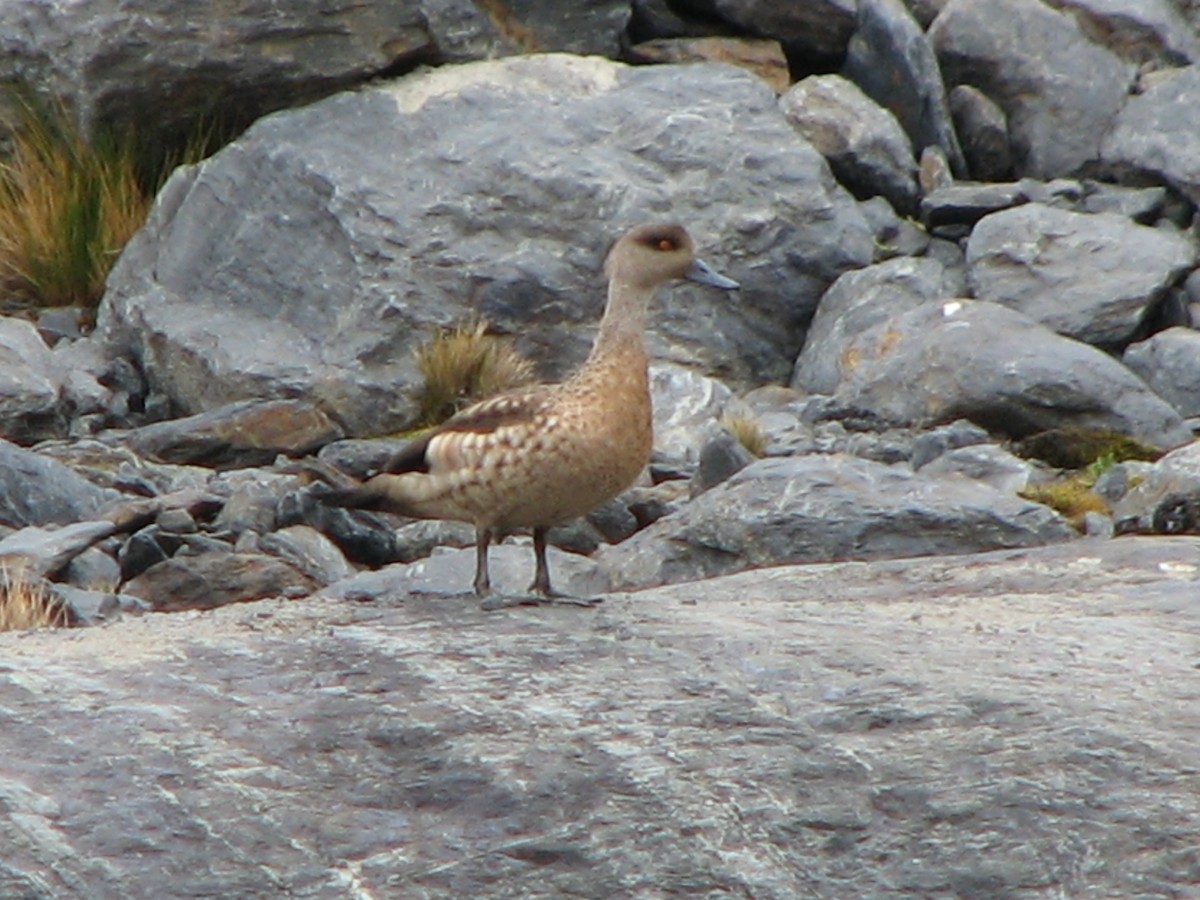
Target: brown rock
214 579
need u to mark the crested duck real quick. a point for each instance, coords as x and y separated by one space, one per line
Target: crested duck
538 456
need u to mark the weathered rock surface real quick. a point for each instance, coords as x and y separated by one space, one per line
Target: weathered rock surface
984 362
115 60
1090 277
821 509
867 150
1153 135
1170 363
891 59
812 731
217 306
1059 90
863 298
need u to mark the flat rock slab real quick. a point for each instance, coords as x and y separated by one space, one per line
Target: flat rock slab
1014 724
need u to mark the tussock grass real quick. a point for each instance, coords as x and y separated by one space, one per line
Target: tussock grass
27 603
747 432
68 205
1072 497
462 365
67 208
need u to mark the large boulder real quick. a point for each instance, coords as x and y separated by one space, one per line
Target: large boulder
1059 89
1000 369
861 299
1170 363
417 203
826 731
161 66
1154 135
821 508
1090 277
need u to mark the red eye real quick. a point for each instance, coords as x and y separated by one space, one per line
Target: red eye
666 244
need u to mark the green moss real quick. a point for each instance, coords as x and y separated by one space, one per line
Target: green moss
1078 448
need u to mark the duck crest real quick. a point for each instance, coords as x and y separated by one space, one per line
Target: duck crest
537 457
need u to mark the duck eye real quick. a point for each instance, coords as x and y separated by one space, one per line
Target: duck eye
666 245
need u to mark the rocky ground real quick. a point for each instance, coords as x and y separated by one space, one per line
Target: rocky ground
868 663
1010 724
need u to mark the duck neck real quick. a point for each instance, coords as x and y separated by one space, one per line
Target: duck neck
622 330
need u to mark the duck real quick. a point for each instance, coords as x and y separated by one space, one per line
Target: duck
539 456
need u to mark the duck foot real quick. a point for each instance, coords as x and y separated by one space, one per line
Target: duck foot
509 601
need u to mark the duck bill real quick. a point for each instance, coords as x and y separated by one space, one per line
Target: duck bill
700 273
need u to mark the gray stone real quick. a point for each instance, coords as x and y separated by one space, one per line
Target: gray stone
1058 89
1170 363
859 300
1091 277
162 66
815 29
931 444
38 490
992 465
1163 497
1153 136
306 549
687 407
1142 31
982 128
1003 371
44 552
891 59
252 498
720 459
809 731
764 58
965 203
216 304
30 384
823 508
206 580
866 148
240 434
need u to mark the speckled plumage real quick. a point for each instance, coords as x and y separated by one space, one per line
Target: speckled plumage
537 457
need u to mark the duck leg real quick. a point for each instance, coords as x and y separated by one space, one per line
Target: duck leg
483 582
540 592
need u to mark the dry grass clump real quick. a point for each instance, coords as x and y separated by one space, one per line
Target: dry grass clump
1072 497
747 432
67 208
464 364
27 603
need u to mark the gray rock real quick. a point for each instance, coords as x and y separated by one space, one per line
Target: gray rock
891 59
1141 31
817 29
894 236
1143 205
42 552
764 58
866 148
161 66
1154 134
210 579
1058 89
1003 371
30 384
965 203
197 296
987 463
306 549
240 434
982 128
1091 277
252 499
859 300
1162 497
830 728
1170 363
417 540
931 444
38 490
720 459
824 508
687 409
